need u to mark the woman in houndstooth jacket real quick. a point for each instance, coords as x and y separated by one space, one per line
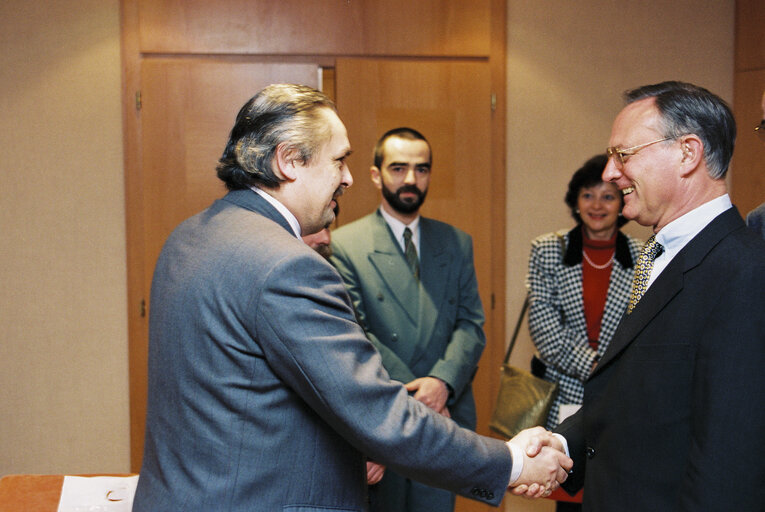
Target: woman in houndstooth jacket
579 284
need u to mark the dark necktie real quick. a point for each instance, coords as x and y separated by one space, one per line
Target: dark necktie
651 250
411 253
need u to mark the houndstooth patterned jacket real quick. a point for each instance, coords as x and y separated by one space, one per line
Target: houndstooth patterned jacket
556 309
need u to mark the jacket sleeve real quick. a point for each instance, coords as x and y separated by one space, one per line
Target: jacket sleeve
459 362
312 342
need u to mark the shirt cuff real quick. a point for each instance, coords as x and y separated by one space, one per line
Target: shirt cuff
564 443
517 455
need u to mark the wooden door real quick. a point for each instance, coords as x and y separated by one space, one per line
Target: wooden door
450 103
188 107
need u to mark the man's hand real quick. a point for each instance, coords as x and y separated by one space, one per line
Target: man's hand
430 391
545 466
375 472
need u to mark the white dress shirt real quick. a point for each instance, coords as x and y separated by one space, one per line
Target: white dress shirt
291 219
675 235
398 227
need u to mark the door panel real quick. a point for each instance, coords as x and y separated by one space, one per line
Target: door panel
450 103
188 107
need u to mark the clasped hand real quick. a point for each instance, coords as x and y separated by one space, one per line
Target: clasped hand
545 465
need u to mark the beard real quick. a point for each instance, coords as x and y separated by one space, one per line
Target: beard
405 206
324 250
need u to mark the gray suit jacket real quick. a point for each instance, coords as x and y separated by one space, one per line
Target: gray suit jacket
431 329
263 390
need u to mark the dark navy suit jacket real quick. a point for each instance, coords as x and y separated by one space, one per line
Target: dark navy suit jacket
674 414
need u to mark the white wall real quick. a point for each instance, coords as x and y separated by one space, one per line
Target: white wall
63 324
568 64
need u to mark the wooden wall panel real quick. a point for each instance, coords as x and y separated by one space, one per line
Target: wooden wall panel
450 103
316 27
748 165
750 34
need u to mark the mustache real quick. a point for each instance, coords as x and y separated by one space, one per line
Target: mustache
412 189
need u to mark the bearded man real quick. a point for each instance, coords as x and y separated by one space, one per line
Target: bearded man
412 281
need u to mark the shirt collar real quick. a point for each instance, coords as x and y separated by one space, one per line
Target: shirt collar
675 235
680 231
397 227
291 219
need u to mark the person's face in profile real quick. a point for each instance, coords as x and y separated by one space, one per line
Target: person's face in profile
320 242
323 179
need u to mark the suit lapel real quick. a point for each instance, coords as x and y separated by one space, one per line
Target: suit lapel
669 283
389 261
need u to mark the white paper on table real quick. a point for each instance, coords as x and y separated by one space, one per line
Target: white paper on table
567 410
97 493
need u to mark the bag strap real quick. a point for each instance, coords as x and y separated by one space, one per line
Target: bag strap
517 328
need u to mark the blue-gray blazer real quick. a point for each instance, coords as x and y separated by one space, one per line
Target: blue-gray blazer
263 390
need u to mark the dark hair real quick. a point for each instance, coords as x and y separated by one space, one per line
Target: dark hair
280 113
689 109
403 133
589 175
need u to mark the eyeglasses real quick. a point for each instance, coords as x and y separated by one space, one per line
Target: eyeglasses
760 129
621 155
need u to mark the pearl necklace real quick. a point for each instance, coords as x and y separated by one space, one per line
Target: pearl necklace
598 267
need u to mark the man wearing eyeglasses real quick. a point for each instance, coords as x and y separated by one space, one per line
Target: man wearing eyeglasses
756 218
673 415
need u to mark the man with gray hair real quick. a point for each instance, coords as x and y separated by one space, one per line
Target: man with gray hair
264 393
673 415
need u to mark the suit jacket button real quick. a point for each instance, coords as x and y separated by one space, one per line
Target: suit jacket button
394 337
380 297
490 495
590 452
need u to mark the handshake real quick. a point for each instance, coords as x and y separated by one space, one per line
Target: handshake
544 463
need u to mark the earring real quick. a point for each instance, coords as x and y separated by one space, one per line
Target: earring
577 211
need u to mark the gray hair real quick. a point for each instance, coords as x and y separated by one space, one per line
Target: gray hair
280 113
689 109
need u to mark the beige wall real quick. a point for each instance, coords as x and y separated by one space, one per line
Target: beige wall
568 64
63 350
63 339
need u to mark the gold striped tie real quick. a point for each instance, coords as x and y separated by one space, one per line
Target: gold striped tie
651 250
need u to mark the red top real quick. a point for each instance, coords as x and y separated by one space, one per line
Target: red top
595 281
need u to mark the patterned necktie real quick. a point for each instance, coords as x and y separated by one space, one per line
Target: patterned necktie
651 250
411 253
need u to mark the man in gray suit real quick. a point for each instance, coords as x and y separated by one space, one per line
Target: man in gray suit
264 392
413 284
